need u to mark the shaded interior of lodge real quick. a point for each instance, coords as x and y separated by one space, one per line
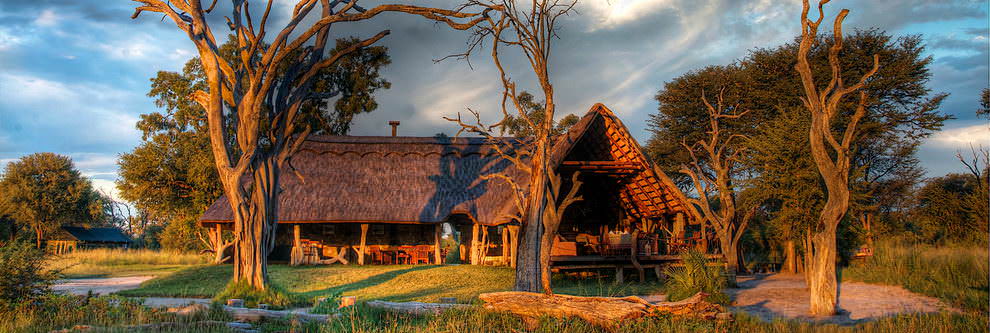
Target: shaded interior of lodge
390 200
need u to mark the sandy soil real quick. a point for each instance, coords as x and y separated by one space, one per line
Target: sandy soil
102 286
780 295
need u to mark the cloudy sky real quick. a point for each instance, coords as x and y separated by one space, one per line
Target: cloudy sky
74 73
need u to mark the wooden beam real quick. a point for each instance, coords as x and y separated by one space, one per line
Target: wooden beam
437 229
364 242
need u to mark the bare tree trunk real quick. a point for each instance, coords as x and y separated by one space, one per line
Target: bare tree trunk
730 251
823 283
790 258
867 220
529 268
258 222
38 236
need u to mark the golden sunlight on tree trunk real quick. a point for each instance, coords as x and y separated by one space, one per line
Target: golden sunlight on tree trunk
832 156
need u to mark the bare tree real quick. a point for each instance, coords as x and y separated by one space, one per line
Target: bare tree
714 171
831 155
253 109
529 27
978 166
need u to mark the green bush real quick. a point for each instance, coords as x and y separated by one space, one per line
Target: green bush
273 295
696 275
23 274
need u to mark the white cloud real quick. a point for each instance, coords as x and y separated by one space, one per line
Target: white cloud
74 114
609 14
47 18
962 137
107 187
94 161
448 96
8 39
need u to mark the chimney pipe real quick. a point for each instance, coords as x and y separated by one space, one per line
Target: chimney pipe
395 126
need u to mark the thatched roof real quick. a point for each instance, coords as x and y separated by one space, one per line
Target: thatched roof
92 235
428 179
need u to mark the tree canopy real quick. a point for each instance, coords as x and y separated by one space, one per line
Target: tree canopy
518 127
778 169
44 191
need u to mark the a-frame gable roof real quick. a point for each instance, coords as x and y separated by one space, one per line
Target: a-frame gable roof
603 137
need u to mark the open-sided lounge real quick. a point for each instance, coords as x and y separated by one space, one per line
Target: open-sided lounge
389 200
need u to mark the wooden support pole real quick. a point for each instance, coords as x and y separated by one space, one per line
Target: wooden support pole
505 245
295 257
635 255
474 244
513 244
618 274
437 229
364 242
483 249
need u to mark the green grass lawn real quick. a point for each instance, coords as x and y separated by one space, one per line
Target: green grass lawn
398 283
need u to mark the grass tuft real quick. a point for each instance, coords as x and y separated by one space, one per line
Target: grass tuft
274 296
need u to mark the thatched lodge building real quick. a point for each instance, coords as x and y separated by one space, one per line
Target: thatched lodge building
376 199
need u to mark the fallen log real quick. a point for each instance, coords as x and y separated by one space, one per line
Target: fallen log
417 308
605 312
254 315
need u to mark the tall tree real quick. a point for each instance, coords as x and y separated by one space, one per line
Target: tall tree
529 28
45 191
715 167
832 155
171 174
254 109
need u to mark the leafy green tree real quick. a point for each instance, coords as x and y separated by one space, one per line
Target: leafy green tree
45 191
24 274
519 127
171 175
946 210
984 109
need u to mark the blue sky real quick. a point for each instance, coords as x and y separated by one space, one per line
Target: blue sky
74 74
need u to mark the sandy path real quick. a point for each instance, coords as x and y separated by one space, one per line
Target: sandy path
101 286
105 286
785 296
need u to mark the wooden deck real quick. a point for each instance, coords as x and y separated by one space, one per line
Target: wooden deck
621 263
